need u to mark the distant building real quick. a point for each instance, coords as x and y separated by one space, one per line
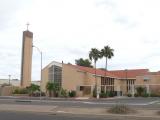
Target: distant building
82 79
15 82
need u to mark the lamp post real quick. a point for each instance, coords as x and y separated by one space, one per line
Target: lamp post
41 67
9 79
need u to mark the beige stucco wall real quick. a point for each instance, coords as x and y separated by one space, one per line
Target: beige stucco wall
6 91
153 79
71 77
118 84
26 59
44 79
153 82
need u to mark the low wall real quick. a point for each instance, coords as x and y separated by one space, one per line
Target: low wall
6 91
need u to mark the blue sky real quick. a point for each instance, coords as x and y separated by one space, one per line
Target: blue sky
67 30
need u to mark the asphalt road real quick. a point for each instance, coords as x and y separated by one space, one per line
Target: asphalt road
148 103
38 116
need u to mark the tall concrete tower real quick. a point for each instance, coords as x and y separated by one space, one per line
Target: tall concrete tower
26 63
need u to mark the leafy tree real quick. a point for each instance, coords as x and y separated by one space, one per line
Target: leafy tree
53 88
83 62
33 88
108 53
94 54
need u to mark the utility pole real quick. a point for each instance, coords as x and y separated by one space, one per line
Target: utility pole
41 69
9 79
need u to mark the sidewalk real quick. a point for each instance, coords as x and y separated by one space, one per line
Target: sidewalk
58 98
63 110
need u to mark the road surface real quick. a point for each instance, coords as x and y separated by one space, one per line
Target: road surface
37 116
147 103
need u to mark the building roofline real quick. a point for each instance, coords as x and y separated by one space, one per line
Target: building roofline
51 63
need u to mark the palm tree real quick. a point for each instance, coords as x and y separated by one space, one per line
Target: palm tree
49 88
108 53
53 88
94 54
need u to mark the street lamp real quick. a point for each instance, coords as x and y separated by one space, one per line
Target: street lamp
41 67
9 79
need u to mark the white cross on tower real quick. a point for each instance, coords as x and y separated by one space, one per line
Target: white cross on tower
27 26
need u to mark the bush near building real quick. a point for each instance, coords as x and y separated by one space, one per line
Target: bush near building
129 95
103 94
72 93
63 93
20 91
145 95
32 90
111 93
107 94
140 90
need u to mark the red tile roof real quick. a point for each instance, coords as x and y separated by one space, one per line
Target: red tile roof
129 73
115 73
92 70
98 71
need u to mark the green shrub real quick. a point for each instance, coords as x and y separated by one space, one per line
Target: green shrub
145 95
20 91
135 95
72 93
94 93
111 94
33 88
103 95
63 93
16 91
140 90
120 109
23 91
129 95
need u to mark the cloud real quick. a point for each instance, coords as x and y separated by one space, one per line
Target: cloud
8 10
67 30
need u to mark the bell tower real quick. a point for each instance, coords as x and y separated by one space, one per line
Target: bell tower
26 63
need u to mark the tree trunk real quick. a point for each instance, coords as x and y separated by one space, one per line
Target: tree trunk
95 72
97 94
106 67
50 93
